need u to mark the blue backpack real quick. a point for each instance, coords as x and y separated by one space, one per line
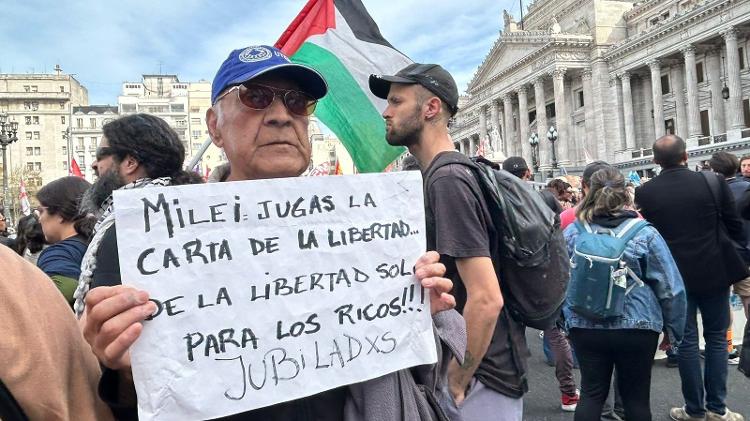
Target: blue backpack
598 272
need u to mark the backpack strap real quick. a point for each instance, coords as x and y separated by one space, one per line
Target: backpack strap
583 226
631 228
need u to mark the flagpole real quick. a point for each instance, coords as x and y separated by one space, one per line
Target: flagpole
198 155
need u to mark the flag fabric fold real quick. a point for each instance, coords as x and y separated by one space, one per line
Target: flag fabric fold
23 198
75 169
339 39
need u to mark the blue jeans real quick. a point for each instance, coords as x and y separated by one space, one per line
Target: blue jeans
715 315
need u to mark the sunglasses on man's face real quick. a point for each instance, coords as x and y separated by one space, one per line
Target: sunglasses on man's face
104 151
259 97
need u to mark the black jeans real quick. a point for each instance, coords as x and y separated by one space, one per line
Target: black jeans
599 351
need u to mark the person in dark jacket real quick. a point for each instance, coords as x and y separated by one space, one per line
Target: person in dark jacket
680 204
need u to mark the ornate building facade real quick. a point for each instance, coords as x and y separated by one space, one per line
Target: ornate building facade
611 76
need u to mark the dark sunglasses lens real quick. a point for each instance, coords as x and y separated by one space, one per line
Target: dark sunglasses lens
256 97
299 103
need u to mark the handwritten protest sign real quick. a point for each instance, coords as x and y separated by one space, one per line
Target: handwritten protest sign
273 290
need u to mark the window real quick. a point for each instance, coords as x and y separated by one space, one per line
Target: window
30 166
79 145
699 71
92 123
665 15
178 108
128 108
79 123
64 150
579 99
34 88
62 119
197 145
665 89
653 21
705 123
28 120
196 134
195 109
532 116
550 110
35 120
34 105
746 111
29 151
27 105
62 88
180 123
28 135
37 151
36 135
37 166
65 165
62 105
26 88
92 142
741 52
195 121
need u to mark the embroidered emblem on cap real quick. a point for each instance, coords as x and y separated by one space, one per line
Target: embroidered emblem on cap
255 54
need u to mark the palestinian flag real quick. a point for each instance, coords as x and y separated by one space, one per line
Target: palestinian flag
339 39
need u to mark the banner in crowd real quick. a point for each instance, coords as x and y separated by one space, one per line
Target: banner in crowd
273 290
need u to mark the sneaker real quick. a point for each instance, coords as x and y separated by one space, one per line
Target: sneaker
728 416
734 357
570 402
680 414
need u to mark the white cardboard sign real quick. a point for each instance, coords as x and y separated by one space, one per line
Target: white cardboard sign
273 290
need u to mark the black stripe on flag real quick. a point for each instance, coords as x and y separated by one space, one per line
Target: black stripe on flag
360 22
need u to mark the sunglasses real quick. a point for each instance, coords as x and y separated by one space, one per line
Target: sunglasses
259 97
104 151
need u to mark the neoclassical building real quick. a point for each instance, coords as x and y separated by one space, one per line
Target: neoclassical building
611 76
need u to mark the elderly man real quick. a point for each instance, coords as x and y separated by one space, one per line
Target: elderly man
261 104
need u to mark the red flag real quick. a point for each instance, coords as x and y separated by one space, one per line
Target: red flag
338 171
75 169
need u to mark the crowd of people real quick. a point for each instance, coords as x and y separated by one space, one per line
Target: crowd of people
682 241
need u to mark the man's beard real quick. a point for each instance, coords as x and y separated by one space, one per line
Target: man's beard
102 189
408 134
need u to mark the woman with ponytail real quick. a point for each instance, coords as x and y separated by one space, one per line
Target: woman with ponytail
66 229
619 330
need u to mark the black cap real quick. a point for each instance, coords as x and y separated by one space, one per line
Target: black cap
515 164
431 76
591 169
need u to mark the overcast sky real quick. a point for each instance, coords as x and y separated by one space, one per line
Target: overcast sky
105 43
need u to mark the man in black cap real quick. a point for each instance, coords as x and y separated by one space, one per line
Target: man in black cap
491 382
517 166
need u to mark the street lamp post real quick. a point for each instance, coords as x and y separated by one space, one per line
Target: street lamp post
8 130
534 142
552 137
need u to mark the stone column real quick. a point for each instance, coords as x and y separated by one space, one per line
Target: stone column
646 114
691 82
628 114
482 123
562 116
733 80
589 113
461 146
508 114
713 66
658 99
541 121
678 91
472 146
495 118
619 125
523 122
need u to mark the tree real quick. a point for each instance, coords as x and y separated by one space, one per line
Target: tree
33 181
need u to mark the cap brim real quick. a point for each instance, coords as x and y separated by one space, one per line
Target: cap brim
380 85
308 79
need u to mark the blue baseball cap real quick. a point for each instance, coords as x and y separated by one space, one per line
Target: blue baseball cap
247 63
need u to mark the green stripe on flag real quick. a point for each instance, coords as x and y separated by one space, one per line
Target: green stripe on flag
348 112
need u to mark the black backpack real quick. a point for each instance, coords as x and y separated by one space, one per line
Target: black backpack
532 262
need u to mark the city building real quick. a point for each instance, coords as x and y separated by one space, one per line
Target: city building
86 135
199 101
611 76
42 104
327 152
